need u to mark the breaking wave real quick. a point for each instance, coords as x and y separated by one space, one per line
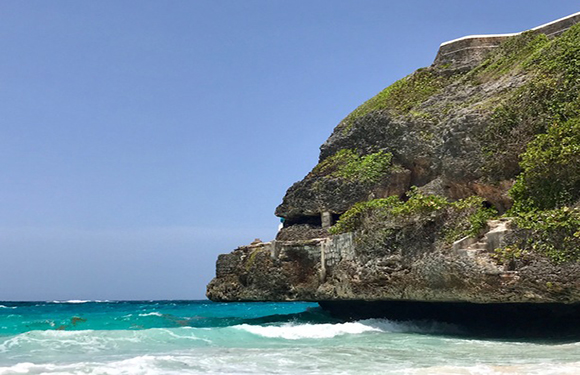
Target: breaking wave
175 337
293 331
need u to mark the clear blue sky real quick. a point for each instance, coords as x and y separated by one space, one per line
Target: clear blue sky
140 139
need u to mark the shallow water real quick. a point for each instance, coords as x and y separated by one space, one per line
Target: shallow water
201 337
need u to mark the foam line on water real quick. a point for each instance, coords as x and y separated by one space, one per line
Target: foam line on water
98 341
154 313
293 331
188 364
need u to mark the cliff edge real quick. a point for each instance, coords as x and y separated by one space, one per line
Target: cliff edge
457 184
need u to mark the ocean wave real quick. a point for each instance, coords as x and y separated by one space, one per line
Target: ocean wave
294 331
413 326
99 341
154 313
80 301
7 307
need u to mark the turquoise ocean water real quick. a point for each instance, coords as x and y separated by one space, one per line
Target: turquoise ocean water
201 337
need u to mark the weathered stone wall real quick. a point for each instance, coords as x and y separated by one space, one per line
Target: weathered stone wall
329 250
467 52
337 248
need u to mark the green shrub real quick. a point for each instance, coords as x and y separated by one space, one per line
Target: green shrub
551 94
554 233
561 60
418 204
347 164
352 219
507 254
403 95
513 54
550 175
467 217
387 208
478 220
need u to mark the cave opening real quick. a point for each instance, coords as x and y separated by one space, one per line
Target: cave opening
311 220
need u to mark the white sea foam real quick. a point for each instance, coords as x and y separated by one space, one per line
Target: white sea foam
418 326
80 301
292 331
139 365
142 365
7 307
154 313
84 342
192 364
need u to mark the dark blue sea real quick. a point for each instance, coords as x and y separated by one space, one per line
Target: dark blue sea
202 337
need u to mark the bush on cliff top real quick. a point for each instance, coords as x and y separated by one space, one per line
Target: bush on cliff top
551 95
513 54
402 96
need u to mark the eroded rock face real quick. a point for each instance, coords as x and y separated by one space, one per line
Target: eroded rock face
314 195
271 271
411 263
443 145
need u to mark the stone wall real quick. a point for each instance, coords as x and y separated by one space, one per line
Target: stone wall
329 250
337 248
467 52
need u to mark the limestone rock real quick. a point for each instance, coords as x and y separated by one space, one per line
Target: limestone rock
438 127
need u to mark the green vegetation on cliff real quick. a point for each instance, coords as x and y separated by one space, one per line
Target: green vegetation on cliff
550 96
543 122
553 233
550 165
465 217
403 95
347 164
513 120
515 54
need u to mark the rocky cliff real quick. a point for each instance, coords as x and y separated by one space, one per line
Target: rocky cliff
458 183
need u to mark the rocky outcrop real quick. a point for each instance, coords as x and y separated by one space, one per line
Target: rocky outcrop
444 146
455 131
411 265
